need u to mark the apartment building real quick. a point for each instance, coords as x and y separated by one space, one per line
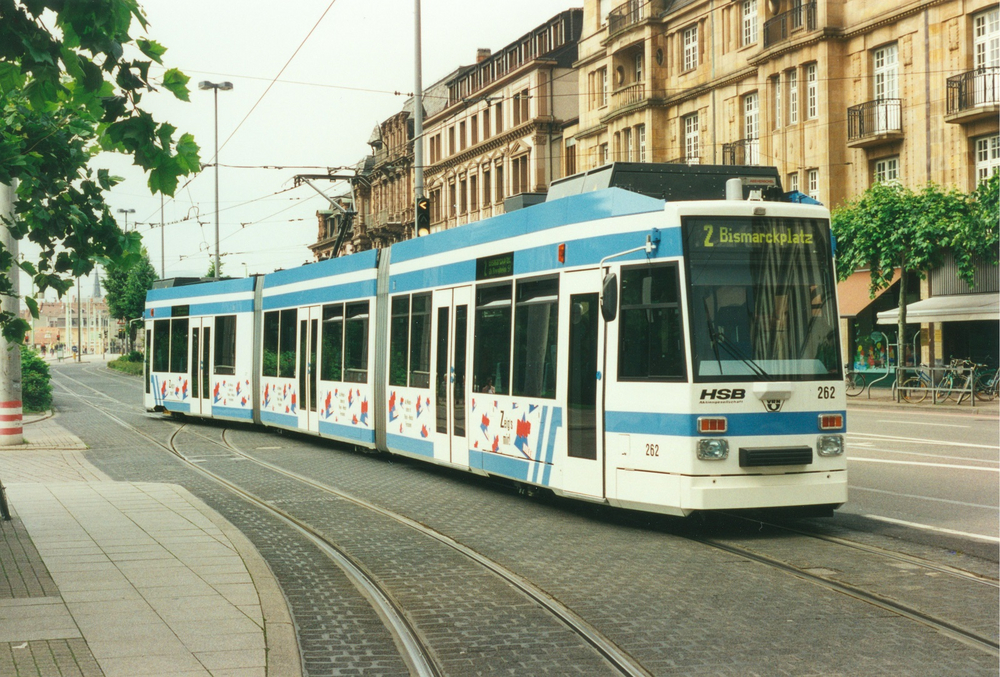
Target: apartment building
837 94
499 132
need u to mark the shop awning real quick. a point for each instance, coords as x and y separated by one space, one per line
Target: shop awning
957 308
852 293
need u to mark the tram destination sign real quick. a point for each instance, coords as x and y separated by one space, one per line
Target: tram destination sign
499 265
729 233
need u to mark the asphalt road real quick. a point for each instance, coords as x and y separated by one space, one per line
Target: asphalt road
935 471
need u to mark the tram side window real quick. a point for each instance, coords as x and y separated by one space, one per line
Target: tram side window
399 339
651 343
225 345
420 341
178 346
286 343
356 342
536 332
270 362
331 365
491 360
161 345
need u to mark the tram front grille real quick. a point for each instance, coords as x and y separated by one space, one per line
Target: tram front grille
768 456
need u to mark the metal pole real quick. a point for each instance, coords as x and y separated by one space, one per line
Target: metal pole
79 325
216 92
418 119
11 426
163 242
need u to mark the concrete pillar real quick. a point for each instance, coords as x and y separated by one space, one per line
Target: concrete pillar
11 430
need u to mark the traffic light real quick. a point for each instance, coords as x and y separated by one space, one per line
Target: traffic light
423 216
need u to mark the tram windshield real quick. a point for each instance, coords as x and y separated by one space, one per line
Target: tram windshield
761 299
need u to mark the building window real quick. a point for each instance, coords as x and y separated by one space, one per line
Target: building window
499 182
751 128
749 22
776 101
987 157
486 124
487 187
463 196
793 96
986 39
812 176
602 154
640 141
691 48
474 192
521 107
570 158
692 151
627 144
462 135
885 62
452 148
887 170
793 182
474 129
452 199
519 175
638 67
498 110
812 98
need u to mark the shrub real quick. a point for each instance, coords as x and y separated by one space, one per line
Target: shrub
134 356
36 389
125 365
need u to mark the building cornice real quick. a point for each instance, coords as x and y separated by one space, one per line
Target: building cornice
502 140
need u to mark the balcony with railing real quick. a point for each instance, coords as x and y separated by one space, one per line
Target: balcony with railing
875 122
629 95
693 160
631 13
787 24
742 152
974 95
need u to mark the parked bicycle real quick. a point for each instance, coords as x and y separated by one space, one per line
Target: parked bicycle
987 384
854 383
914 389
957 381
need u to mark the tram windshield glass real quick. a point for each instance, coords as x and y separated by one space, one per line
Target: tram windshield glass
761 299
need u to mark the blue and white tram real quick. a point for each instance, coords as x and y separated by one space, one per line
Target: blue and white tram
612 347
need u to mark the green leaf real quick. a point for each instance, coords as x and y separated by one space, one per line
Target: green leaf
32 306
176 82
11 78
152 49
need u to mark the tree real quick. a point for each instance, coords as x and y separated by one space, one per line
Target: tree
126 292
68 91
211 268
889 227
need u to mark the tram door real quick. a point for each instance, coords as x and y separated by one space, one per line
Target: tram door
308 368
200 365
584 470
451 353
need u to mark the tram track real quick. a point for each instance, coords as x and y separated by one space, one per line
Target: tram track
418 656
942 625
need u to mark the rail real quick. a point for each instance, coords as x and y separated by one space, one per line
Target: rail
973 89
783 25
956 381
882 116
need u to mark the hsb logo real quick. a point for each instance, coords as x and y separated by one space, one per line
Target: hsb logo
723 394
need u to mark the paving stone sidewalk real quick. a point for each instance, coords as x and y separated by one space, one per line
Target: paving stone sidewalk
127 578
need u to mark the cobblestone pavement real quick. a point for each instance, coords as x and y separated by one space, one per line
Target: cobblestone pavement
675 605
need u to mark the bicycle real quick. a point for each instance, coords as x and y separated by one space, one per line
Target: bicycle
987 384
854 383
915 388
956 381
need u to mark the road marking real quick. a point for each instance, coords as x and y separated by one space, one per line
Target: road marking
927 527
936 425
929 465
921 440
867 446
925 498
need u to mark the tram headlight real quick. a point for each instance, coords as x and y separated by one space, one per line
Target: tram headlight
713 450
830 445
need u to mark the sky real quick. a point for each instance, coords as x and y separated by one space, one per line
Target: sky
352 69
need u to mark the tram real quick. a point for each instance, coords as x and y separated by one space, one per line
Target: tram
670 356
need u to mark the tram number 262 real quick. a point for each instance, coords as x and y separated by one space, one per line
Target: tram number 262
652 450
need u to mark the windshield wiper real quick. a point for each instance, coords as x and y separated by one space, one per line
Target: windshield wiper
720 339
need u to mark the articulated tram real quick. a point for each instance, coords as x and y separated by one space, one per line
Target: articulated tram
666 356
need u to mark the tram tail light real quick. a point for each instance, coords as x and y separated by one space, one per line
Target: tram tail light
831 421
708 425
713 449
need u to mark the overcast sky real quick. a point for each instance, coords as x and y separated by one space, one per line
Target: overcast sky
319 113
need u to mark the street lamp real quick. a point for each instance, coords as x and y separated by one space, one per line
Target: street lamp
126 212
224 86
